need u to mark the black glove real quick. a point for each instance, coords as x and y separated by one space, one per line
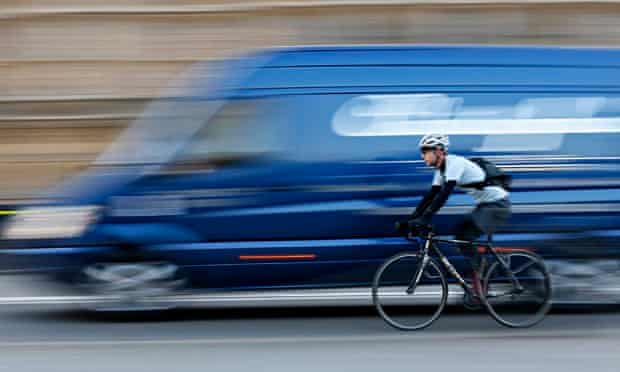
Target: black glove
404 227
423 220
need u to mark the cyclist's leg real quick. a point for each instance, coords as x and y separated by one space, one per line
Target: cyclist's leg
484 219
488 217
469 231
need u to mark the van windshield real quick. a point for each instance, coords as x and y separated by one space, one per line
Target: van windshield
159 133
241 130
169 123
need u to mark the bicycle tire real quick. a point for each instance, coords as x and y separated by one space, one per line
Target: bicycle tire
529 310
395 291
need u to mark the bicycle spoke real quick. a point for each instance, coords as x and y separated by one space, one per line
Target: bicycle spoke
524 267
504 258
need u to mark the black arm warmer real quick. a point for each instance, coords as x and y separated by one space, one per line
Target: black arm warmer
426 201
441 198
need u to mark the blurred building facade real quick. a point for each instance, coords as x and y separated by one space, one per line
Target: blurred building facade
73 73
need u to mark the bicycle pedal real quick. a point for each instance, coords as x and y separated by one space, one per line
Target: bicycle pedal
472 303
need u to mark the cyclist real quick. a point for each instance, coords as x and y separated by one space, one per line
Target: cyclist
492 209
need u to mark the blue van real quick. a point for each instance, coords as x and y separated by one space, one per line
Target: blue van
285 171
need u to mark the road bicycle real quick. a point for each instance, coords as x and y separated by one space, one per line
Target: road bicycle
410 289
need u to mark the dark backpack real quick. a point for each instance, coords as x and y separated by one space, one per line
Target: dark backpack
494 175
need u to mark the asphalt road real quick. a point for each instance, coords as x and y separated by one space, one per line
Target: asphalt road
43 338
52 336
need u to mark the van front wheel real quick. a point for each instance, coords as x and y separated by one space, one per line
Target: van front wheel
124 286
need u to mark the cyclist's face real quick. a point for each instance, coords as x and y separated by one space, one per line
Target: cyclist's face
432 157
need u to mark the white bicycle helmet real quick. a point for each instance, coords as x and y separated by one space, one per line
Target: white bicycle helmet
435 140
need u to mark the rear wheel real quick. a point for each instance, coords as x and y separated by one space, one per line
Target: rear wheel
513 307
402 306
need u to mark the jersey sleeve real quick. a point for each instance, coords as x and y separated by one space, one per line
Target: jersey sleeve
455 168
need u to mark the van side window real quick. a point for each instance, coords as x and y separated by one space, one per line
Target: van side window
376 126
242 130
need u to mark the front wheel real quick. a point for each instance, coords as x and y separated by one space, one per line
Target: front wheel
512 306
130 286
405 306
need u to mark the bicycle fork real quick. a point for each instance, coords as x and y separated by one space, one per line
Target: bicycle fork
418 274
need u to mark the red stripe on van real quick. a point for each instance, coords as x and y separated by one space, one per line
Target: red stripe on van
277 257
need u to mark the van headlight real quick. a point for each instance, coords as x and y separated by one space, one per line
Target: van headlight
50 222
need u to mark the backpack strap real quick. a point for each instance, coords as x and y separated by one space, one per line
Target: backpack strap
476 185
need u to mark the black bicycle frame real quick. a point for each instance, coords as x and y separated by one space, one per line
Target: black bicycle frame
429 245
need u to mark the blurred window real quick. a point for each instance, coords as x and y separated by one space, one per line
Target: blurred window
242 130
378 126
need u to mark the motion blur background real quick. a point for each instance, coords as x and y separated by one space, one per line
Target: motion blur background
74 73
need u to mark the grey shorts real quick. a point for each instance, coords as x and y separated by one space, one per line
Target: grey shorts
488 217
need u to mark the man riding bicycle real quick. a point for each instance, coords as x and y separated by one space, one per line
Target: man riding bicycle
492 209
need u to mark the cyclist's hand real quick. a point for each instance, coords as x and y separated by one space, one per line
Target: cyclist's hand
408 227
420 221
